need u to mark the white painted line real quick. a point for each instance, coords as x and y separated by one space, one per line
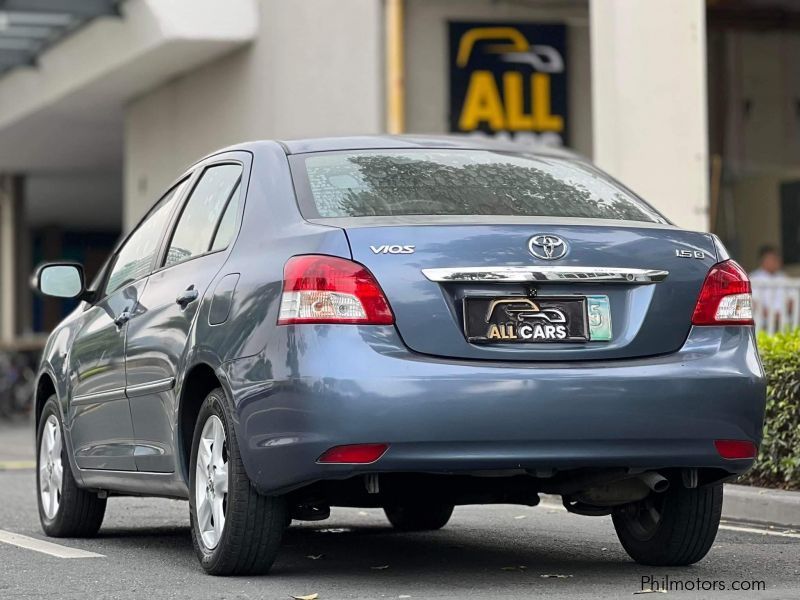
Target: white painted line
23 541
14 465
761 531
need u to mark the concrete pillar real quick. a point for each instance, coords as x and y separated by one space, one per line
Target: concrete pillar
649 106
24 258
10 206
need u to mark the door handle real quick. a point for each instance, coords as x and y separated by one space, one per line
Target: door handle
186 297
123 318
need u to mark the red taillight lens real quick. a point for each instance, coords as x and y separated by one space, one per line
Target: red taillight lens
327 289
357 454
734 449
725 298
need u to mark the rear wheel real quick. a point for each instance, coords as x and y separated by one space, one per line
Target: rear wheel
673 528
65 510
418 515
235 530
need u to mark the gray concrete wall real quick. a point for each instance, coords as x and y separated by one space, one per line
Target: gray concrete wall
316 68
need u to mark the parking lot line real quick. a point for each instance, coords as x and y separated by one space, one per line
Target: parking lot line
14 465
774 532
29 543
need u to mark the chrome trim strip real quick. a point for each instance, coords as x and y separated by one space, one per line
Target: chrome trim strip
151 387
105 396
410 220
547 274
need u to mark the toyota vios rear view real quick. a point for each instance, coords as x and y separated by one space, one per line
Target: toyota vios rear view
409 324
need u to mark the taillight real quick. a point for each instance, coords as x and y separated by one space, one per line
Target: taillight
725 298
327 289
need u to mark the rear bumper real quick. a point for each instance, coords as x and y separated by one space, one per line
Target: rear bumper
316 387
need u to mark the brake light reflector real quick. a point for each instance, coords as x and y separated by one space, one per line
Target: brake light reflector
327 289
725 298
733 449
356 454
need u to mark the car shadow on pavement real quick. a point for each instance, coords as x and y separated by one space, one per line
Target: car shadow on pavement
165 532
366 550
358 556
453 551
166 543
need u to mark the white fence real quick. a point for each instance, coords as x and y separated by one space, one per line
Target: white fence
776 304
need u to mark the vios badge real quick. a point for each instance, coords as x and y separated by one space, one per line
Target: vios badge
392 249
547 246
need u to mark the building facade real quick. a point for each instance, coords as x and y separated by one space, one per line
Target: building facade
692 104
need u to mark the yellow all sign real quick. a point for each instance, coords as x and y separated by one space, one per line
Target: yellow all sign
485 104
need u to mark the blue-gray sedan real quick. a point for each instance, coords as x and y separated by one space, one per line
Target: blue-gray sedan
411 323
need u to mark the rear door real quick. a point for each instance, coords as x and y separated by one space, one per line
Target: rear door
99 418
158 337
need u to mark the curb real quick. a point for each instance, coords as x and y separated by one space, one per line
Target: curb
761 505
744 503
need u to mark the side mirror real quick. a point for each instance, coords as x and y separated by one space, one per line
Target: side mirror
60 280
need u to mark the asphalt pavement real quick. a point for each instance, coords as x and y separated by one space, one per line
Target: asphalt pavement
16 444
485 552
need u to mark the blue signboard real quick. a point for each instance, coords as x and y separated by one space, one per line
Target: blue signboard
509 79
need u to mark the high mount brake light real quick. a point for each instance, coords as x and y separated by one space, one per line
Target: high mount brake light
725 298
327 289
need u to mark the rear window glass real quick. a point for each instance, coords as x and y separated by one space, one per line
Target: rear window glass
459 182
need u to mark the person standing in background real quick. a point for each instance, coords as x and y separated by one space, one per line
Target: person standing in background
770 300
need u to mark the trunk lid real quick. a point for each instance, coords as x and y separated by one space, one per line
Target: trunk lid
646 318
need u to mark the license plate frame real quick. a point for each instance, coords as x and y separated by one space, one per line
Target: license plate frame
526 320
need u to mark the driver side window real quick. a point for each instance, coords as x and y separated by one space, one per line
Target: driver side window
135 259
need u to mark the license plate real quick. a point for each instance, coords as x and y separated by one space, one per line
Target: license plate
544 319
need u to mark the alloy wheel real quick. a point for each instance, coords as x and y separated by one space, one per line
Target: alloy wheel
51 468
211 482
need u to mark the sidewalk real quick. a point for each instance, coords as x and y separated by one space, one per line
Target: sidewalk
761 505
746 504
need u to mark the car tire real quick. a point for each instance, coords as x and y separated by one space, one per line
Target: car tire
65 510
674 528
252 525
415 515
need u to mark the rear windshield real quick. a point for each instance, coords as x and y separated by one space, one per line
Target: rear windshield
459 182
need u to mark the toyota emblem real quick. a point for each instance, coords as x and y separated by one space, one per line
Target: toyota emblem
547 246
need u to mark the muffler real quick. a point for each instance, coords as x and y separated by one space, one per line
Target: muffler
625 491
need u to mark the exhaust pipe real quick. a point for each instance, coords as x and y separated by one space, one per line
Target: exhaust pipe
657 483
616 492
